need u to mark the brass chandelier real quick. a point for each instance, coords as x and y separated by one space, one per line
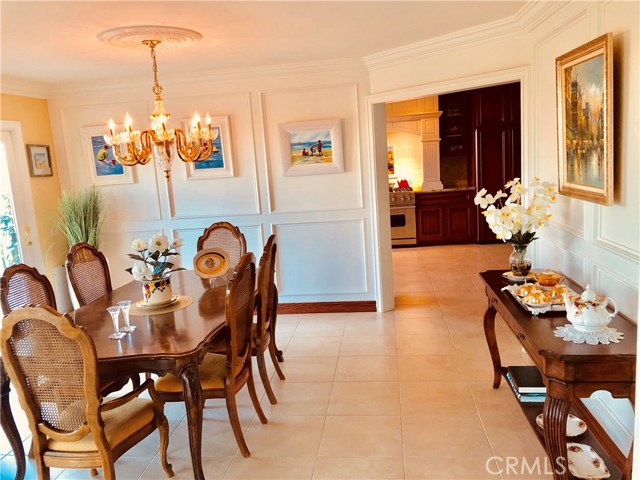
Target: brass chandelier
131 146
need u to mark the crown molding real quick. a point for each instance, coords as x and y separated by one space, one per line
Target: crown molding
231 76
529 17
24 88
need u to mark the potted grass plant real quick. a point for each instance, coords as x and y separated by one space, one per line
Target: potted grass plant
81 219
82 216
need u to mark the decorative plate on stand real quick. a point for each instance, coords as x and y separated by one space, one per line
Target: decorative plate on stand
211 262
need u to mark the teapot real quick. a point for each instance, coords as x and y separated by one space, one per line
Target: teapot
587 312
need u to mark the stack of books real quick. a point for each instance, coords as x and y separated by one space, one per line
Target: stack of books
526 382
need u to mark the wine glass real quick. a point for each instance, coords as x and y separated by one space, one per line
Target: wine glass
115 315
124 306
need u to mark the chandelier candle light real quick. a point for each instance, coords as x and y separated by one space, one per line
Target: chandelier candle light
515 222
133 146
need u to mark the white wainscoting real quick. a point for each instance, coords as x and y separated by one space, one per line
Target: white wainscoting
339 275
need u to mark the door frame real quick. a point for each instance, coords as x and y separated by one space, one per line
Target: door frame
22 199
383 264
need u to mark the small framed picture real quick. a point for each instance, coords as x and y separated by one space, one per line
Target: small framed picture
101 161
391 161
312 148
220 162
39 161
584 79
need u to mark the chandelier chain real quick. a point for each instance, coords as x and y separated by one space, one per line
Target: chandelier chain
157 88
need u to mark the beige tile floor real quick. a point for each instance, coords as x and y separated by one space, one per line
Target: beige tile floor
401 395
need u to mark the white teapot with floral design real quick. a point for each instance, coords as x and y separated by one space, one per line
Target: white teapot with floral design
587 312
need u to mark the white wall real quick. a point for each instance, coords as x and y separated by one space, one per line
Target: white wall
322 221
590 243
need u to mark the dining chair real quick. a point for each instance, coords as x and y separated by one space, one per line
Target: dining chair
90 279
226 236
224 375
22 285
263 330
88 273
53 365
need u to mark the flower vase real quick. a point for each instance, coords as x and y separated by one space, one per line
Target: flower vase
157 292
520 260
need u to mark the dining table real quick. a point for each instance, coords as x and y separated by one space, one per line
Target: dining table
163 342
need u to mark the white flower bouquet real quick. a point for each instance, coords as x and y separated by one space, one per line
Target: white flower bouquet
513 220
153 258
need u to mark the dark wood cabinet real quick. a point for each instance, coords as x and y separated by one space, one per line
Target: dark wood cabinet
496 156
479 148
446 217
456 169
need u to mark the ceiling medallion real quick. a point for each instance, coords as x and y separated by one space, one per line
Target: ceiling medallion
133 36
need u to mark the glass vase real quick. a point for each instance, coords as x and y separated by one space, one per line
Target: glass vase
520 260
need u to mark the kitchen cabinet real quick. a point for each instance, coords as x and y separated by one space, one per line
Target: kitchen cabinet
496 156
446 217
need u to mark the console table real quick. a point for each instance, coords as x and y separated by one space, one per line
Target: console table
570 371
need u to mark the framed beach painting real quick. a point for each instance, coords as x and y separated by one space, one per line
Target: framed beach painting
584 83
104 169
312 148
220 162
39 161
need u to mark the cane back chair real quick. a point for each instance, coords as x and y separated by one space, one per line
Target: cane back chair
88 273
90 279
22 285
53 365
263 330
223 375
267 310
226 236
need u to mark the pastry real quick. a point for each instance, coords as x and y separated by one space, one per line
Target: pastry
526 289
536 297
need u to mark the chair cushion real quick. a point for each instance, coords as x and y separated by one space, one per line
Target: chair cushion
119 424
212 372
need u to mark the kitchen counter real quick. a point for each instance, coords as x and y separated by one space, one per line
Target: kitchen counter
452 189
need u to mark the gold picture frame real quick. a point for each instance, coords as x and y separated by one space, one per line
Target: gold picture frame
584 87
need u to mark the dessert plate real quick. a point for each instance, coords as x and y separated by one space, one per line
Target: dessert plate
515 278
142 304
584 462
211 262
575 425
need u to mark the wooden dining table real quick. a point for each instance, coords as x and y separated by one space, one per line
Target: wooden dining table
162 343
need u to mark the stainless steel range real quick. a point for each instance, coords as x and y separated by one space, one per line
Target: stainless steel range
403 216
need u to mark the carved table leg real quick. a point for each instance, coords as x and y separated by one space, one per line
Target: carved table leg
490 334
194 404
9 425
554 420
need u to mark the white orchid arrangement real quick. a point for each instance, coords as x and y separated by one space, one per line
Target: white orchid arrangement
511 220
152 260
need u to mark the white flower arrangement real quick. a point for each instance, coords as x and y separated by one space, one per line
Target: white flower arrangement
512 221
152 260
